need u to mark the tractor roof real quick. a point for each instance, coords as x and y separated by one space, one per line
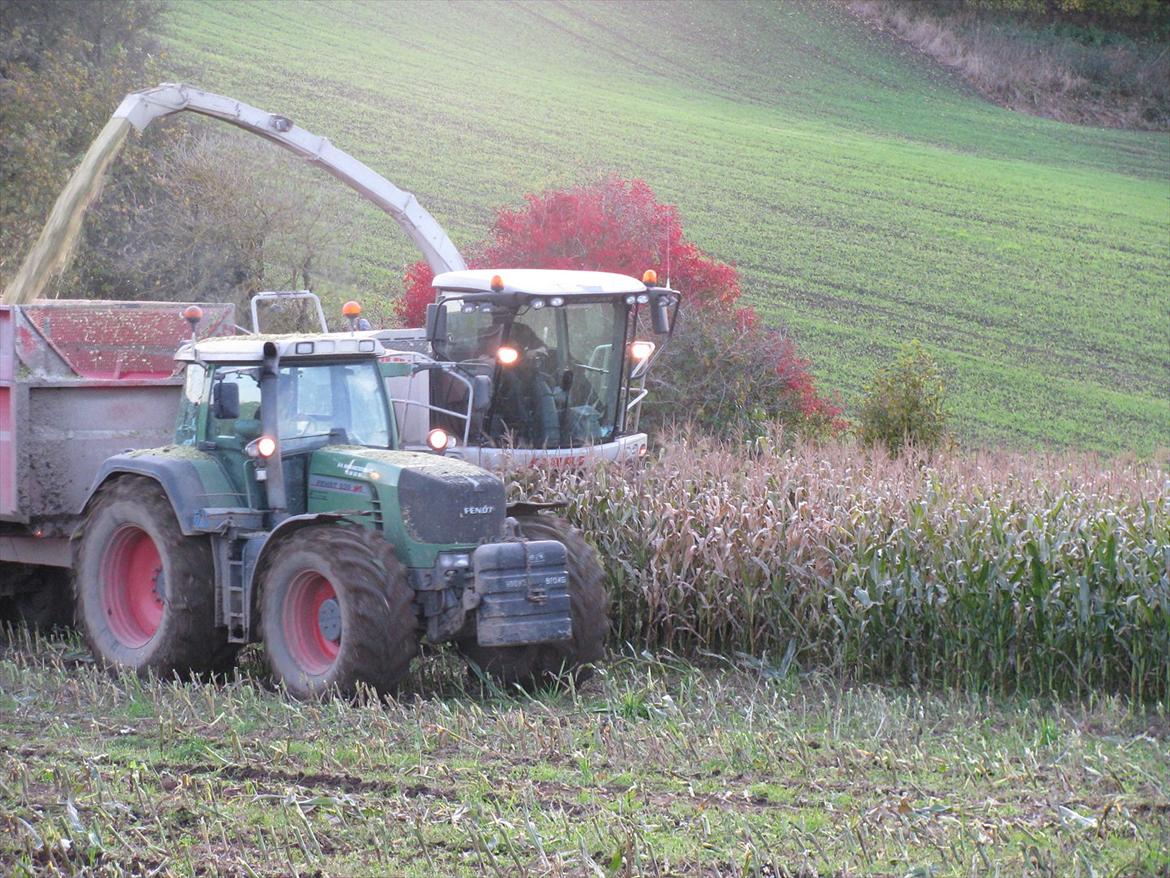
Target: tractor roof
539 282
250 348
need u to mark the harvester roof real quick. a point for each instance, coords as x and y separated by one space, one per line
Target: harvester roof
539 282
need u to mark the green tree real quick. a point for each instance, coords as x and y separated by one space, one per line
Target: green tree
63 68
903 404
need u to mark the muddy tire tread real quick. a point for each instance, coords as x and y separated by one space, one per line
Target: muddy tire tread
187 640
380 627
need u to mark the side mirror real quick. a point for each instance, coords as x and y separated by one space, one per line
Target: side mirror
225 401
436 323
481 393
660 315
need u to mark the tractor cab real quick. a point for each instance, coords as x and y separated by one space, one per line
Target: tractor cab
535 360
265 404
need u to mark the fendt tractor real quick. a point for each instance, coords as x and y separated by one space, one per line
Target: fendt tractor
281 507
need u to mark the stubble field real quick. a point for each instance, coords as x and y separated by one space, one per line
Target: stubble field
656 767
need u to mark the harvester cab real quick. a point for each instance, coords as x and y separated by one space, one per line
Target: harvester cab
530 364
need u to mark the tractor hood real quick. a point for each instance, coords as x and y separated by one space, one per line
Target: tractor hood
434 502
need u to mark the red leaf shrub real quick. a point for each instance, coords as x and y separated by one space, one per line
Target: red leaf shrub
614 225
411 309
618 225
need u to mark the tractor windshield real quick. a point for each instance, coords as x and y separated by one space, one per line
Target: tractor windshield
556 371
315 399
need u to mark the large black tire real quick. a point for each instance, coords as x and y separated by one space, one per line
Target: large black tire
337 612
542 664
145 593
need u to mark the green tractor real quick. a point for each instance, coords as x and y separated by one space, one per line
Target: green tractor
284 512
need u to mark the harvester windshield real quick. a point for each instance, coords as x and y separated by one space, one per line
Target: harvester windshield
556 370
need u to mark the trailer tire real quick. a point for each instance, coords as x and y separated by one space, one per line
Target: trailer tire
542 664
129 550
337 613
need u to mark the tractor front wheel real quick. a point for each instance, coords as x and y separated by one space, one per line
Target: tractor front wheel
337 612
144 591
540 664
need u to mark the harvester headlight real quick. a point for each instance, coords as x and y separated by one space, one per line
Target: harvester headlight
630 300
556 301
641 350
438 440
643 299
507 355
537 304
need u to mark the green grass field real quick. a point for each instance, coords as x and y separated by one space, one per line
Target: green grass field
655 768
866 196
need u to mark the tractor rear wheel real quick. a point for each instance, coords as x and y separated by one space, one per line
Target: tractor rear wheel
540 664
144 592
337 612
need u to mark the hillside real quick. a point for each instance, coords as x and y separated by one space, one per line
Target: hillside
866 196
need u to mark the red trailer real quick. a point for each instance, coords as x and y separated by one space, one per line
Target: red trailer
79 382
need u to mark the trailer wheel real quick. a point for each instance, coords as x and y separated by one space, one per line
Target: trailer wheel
337 612
545 663
144 591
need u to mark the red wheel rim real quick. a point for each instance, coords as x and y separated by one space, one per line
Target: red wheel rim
311 646
133 586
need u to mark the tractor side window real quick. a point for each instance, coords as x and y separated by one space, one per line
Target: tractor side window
187 425
594 358
473 334
246 427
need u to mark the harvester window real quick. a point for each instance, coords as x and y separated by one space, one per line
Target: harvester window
562 386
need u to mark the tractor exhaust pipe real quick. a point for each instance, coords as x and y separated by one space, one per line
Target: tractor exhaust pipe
270 426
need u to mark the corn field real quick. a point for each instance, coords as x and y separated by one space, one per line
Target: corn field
991 571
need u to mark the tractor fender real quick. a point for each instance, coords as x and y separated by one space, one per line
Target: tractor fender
271 540
189 484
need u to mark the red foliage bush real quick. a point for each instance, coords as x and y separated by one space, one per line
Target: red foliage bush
614 225
618 225
411 309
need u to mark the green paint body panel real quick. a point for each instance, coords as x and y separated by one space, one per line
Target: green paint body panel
219 489
342 478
